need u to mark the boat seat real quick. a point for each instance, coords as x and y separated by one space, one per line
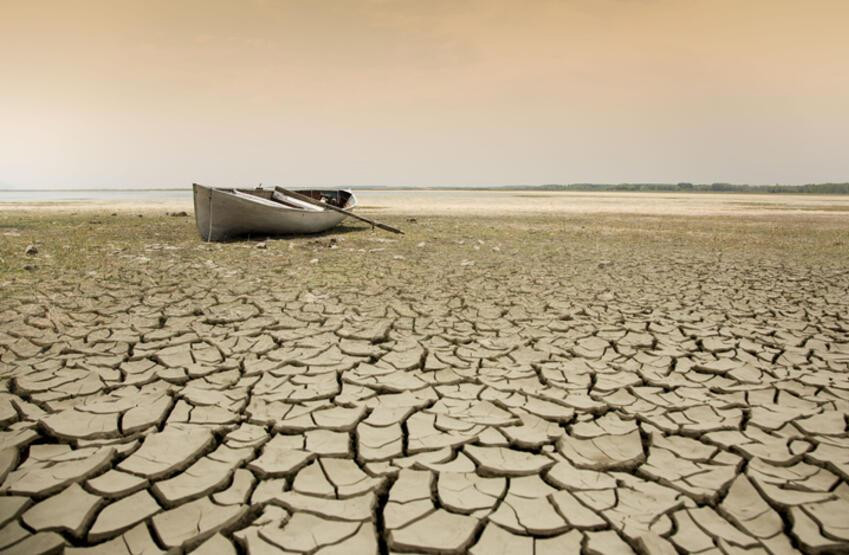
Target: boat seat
285 201
256 199
295 203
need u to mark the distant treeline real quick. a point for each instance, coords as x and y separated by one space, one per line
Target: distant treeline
813 188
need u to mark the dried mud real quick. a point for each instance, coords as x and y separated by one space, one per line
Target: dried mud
492 385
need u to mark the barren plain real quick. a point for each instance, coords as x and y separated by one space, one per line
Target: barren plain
524 380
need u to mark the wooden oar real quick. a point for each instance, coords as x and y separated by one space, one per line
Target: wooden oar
311 200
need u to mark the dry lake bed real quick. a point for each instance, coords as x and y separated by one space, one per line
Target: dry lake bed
558 374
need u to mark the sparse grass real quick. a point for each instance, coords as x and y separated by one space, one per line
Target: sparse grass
793 207
104 247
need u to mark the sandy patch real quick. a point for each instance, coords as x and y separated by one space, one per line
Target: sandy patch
498 203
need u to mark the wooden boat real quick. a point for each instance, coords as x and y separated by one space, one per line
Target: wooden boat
226 213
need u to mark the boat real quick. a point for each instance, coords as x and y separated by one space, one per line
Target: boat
222 213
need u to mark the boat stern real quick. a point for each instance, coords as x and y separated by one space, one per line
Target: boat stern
203 207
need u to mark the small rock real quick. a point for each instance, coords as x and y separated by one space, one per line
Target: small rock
411 220
604 263
29 267
314 261
421 244
31 250
262 245
332 242
113 214
180 214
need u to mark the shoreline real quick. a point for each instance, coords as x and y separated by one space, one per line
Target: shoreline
513 202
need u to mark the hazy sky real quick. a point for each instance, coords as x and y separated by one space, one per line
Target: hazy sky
428 92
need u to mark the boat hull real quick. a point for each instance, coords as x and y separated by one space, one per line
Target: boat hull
221 214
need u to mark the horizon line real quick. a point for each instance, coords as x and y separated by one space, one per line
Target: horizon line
459 186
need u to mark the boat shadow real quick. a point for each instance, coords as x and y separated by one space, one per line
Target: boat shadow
341 229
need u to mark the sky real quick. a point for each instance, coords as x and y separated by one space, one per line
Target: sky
161 93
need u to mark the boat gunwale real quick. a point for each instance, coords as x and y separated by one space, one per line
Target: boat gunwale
231 192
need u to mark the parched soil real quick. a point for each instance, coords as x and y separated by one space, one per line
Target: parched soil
520 384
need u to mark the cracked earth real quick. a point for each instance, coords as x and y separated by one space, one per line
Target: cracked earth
536 385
